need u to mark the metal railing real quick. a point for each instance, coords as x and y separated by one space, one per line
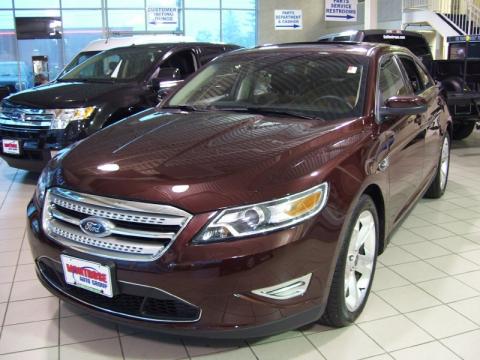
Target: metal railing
464 14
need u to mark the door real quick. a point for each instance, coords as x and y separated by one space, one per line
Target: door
404 139
424 86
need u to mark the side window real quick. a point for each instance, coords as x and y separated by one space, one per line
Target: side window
413 76
390 81
424 77
184 61
209 53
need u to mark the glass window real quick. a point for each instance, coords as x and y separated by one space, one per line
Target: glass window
413 75
168 21
37 4
203 25
116 64
391 81
424 78
325 86
92 4
6 20
6 4
119 4
126 20
238 27
37 13
202 4
80 27
238 4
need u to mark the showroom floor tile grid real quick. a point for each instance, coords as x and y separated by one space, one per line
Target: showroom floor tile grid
425 302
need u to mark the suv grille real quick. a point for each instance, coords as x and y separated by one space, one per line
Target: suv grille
18 116
136 231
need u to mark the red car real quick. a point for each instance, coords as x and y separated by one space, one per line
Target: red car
256 199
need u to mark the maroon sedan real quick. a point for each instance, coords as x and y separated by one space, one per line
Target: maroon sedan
255 200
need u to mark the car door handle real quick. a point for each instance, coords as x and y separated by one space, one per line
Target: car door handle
418 120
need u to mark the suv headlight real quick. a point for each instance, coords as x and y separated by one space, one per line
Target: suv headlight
43 183
62 117
264 217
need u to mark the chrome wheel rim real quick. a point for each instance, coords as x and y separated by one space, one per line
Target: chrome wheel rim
444 163
360 260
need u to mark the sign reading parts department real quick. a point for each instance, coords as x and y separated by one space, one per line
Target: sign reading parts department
288 20
340 10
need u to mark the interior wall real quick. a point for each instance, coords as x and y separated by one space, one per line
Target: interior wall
314 25
313 21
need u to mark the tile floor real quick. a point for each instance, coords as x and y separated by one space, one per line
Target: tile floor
425 302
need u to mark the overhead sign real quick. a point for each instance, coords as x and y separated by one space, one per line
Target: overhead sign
288 20
162 15
340 10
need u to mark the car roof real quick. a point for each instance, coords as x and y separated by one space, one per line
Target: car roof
114 42
350 47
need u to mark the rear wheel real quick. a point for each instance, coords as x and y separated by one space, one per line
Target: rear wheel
463 130
439 183
355 267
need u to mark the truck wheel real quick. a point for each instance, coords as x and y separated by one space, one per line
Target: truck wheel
463 130
355 267
439 183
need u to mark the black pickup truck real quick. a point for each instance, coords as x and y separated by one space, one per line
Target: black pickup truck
109 86
459 76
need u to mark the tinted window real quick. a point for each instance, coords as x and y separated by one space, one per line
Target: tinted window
424 78
391 81
117 64
416 44
413 75
325 85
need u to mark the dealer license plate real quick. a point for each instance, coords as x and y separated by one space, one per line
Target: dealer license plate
87 275
11 147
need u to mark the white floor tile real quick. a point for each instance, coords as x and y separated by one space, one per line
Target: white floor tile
39 354
376 308
76 329
425 250
29 336
433 350
418 271
465 345
457 244
386 279
453 264
32 310
29 289
93 350
152 347
395 333
441 321
332 344
470 308
296 348
408 298
448 289
238 354
396 255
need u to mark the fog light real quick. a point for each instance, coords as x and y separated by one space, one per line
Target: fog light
286 290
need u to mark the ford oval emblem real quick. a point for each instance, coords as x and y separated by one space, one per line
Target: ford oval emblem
96 226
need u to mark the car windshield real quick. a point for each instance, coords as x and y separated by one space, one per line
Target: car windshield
121 64
316 84
77 60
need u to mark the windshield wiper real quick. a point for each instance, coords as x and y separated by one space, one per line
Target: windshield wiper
263 110
181 107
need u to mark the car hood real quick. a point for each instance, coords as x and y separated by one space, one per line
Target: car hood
203 161
67 94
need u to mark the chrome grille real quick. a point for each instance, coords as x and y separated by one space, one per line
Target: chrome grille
141 231
18 116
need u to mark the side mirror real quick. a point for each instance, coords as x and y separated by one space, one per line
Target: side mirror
403 105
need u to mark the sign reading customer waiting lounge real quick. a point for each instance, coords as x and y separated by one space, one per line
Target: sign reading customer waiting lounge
340 10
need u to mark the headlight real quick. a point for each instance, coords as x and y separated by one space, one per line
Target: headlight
62 117
42 184
265 217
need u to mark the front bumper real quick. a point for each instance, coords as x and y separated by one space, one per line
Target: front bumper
37 144
214 291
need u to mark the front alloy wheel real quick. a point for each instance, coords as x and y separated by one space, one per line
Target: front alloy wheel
439 182
355 267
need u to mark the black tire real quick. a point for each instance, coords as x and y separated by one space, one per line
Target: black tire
336 313
463 130
436 190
